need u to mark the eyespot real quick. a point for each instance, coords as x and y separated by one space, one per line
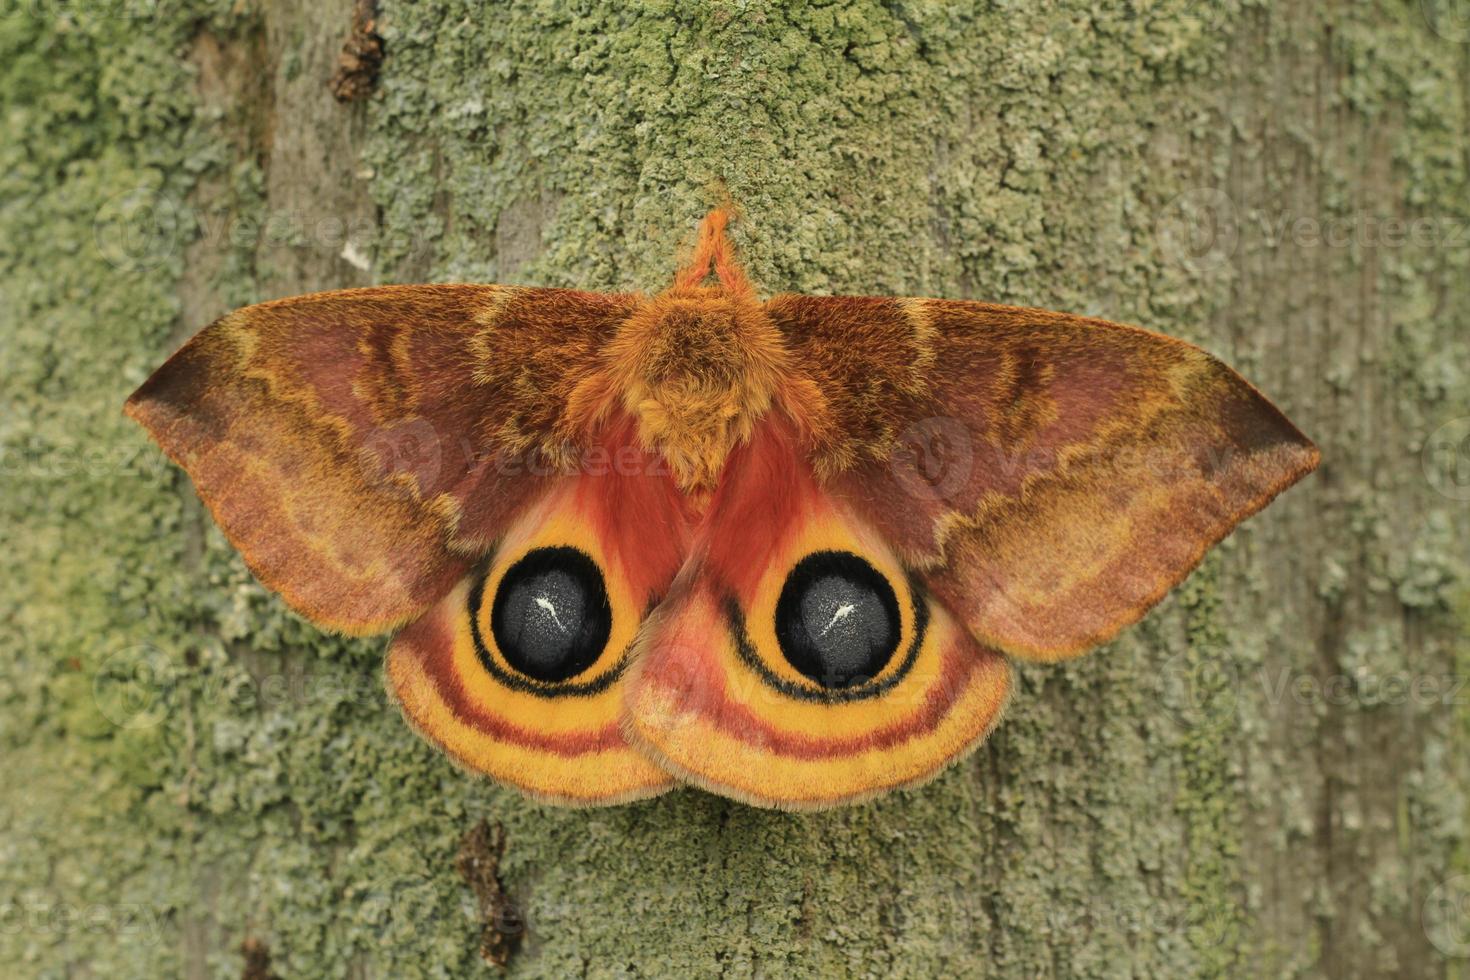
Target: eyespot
837 620
551 618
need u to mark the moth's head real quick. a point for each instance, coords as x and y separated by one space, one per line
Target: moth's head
698 365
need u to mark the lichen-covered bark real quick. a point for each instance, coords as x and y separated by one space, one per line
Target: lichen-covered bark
1266 777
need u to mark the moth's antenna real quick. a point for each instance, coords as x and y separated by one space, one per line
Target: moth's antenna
713 253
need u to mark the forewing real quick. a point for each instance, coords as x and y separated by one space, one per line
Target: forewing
362 447
1053 475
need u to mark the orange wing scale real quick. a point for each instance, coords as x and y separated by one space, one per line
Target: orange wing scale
777 549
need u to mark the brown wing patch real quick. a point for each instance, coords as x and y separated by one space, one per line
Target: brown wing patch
534 348
348 442
869 357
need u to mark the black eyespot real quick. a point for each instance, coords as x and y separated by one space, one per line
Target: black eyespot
551 617
837 620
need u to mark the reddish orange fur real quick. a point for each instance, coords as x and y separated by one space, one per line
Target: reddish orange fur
714 254
760 496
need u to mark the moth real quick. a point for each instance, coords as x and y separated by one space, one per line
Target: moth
785 550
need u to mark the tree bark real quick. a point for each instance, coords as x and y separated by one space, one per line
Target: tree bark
1265 777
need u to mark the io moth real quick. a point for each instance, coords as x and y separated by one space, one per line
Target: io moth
637 541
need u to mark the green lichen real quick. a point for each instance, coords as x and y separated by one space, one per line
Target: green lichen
188 764
1208 797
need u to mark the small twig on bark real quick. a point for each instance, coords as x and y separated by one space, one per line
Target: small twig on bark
361 57
257 960
501 924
